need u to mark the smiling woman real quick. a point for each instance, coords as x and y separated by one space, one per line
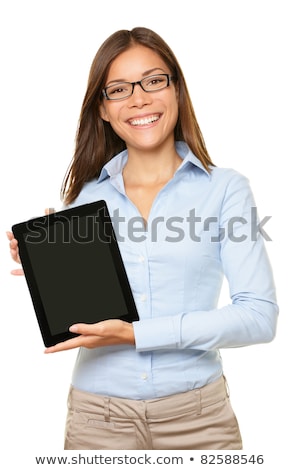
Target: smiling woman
97 141
158 383
151 104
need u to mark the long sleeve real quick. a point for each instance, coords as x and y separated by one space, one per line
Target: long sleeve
252 316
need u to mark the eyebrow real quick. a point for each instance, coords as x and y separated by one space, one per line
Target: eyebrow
144 74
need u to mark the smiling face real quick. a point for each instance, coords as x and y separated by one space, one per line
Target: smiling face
144 120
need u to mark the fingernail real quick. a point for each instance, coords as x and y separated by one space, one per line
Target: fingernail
73 328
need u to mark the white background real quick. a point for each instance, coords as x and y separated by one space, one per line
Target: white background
241 62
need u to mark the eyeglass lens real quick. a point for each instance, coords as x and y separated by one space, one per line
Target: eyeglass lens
125 89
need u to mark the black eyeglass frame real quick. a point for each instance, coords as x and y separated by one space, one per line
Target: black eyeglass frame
140 82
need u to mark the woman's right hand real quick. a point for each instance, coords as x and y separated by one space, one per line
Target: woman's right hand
14 251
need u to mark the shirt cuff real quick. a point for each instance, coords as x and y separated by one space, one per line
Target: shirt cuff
157 333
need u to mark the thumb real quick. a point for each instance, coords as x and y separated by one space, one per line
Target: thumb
17 272
49 210
83 329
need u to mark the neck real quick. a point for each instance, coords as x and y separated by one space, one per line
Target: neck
152 165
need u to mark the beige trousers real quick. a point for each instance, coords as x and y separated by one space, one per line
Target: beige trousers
198 419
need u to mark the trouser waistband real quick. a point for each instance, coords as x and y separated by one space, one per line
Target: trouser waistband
182 403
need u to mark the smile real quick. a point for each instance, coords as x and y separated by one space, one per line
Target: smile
144 121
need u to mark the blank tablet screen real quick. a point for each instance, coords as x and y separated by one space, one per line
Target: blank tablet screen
74 269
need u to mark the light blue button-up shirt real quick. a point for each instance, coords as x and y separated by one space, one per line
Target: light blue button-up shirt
201 227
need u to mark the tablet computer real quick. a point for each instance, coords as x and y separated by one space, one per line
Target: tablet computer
74 270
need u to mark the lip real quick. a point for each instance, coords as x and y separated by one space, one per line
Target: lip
144 120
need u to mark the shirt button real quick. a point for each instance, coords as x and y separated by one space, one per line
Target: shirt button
143 298
141 259
144 376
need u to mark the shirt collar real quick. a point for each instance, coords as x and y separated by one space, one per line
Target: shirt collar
115 166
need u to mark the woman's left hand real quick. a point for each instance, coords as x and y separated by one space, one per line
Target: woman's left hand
104 333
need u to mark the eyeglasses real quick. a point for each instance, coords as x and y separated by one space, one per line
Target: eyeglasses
122 90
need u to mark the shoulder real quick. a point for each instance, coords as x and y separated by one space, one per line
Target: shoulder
228 179
233 188
90 192
226 174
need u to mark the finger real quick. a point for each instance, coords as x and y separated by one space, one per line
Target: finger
14 252
13 244
17 272
86 329
12 241
14 249
49 210
65 345
9 235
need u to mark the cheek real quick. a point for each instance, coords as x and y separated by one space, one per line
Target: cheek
110 111
103 113
174 105
174 112
118 127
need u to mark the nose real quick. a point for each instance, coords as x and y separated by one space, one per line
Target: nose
139 97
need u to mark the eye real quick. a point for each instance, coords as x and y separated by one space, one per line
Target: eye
118 90
155 81
115 89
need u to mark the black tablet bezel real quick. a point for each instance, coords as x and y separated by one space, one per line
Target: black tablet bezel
22 229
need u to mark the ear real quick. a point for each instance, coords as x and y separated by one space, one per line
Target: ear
103 113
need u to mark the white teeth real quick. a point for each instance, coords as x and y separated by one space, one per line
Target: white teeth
144 121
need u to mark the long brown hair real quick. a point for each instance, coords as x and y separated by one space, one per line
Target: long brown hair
96 141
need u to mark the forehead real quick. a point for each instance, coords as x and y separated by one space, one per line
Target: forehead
134 62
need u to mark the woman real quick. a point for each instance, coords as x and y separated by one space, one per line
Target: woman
158 383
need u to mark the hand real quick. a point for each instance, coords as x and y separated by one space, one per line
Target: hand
14 251
104 333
